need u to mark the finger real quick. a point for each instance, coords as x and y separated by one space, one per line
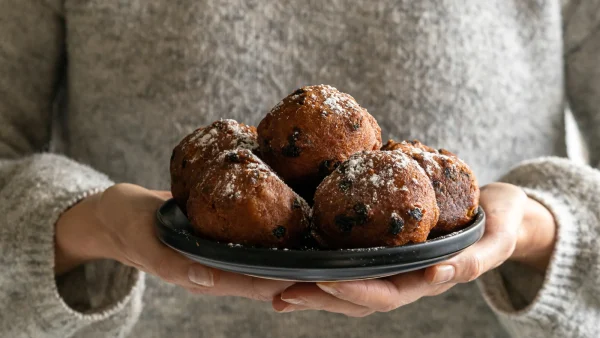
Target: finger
140 198
171 266
308 295
504 208
382 295
283 307
174 268
232 284
238 285
163 194
441 288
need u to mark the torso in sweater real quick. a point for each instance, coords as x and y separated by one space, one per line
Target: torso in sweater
483 79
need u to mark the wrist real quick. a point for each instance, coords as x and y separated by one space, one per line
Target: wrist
78 236
537 236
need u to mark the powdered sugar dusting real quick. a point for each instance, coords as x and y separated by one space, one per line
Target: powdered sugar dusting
243 168
376 171
229 188
428 157
337 102
400 159
333 103
357 166
195 135
209 141
377 248
376 180
403 159
332 100
431 160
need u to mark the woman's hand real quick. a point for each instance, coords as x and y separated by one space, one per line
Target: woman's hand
118 224
517 228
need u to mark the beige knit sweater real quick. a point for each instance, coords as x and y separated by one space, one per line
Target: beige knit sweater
96 91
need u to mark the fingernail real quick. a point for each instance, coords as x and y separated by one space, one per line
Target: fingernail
296 301
201 276
443 274
286 309
329 288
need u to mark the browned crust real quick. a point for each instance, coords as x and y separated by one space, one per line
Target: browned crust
307 135
191 156
455 185
240 200
375 199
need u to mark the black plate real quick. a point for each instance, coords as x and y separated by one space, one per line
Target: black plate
311 265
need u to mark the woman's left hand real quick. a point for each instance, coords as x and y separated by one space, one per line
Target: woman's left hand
517 228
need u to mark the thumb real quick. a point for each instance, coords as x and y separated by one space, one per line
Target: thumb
163 194
168 264
504 206
174 268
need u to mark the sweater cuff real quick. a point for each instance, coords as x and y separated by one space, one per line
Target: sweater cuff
562 281
93 292
41 189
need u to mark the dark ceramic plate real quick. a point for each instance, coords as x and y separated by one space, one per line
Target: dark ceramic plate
311 265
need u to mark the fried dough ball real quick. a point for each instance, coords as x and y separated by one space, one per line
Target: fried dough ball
407 145
191 156
455 185
241 200
308 134
375 198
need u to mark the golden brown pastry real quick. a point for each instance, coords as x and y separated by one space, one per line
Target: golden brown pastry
308 134
375 198
241 200
191 156
455 185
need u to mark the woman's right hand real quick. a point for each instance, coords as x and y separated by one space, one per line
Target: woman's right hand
118 224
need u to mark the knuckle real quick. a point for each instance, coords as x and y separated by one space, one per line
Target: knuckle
392 300
474 268
257 293
362 294
260 297
162 270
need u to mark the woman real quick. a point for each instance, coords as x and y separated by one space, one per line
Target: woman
486 79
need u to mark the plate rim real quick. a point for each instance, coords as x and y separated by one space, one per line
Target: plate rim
474 230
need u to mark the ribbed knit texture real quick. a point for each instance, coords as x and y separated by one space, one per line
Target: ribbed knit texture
94 92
